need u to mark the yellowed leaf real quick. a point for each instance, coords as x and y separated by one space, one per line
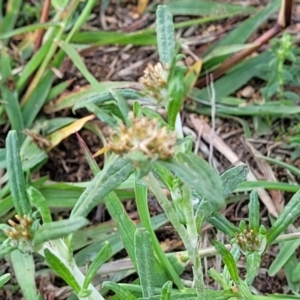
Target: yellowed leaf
56 137
141 6
101 151
192 75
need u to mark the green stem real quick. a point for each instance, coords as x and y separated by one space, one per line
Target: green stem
192 247
191 243
142 207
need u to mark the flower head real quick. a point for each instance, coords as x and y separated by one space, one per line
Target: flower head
155 81
145 136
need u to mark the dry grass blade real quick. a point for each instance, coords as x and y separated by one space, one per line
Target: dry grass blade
219 144
268 174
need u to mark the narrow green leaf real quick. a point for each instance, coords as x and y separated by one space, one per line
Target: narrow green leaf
102 114
222 223
38 200
15 175
288 216
125 225
33 64
166 291
206 8
103 255
228 260
254 213
28 28
199 175
162 262
121 292
232 178
176 94
78 62
4 279
289 268
58 229
101 97
165 35
12 108
231 82
104 182
244 290
122 104
240 34
8 93
225 50
287 249
145 261
59 267
90 159
5 249
253 261
37 99
10 19
24 268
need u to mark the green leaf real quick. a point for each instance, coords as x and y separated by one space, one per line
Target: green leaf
165 35
125 225
287 249
296 273
4 279
145 261
232 178
162 262
244 290
121 292
12 107
104 182
103 255
11 17
37 99
38 200
254 212
253 261
166 291
199 175
206 8
228 260
122 104
78 62
15 175
24 269
241 33
225 50
223 224
8 93
59 267
33 64
289 269
287 217
231 82
176 91
28 28
58 229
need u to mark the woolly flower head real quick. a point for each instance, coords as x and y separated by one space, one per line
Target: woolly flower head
155 81
144 136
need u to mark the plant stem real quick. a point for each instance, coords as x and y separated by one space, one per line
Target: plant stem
190 242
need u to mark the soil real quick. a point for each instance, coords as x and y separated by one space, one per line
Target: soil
67 162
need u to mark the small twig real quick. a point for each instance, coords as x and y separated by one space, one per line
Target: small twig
213 119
